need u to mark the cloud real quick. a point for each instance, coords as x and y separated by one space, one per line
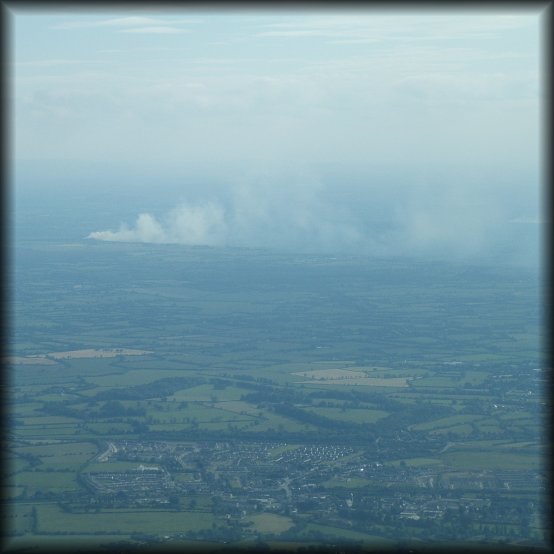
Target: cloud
406 27
55 62
132 21
153 30
298 33
474 102
146 49
131 24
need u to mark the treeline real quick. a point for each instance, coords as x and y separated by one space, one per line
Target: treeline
271 395
59 409
111 408
311 418
408 415
379 400
114 408
156 389
318 436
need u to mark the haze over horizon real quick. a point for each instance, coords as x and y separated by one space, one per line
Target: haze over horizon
264 102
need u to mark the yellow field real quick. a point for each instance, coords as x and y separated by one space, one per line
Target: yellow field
28 360
323 374
92 353
349 377
367 381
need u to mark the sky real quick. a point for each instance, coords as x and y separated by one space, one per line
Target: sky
311 127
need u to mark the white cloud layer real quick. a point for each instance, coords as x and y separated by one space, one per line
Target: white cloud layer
398 88
132 21
154 30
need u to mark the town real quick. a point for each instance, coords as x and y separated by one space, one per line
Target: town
338 486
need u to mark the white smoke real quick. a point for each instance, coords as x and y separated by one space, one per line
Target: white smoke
202 224
418 219
260 215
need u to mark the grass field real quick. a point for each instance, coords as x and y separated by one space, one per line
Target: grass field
10 491
64 543
134 377
349 535
205 393
490 459
238 407
325 374
271 523
276 421
51 519
110 466
18 518
360 415
350 482
48 420
435 382
445 422
109 428
62 455
47 481
463 430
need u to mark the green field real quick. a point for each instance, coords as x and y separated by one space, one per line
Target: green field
349 535
271 523
490 459
303 397
356 416
46 481
50 519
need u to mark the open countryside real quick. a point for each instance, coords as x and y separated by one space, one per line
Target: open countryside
278 427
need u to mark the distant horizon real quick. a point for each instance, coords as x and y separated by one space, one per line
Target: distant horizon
383 212
387 132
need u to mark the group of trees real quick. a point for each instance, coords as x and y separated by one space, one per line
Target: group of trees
161 388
